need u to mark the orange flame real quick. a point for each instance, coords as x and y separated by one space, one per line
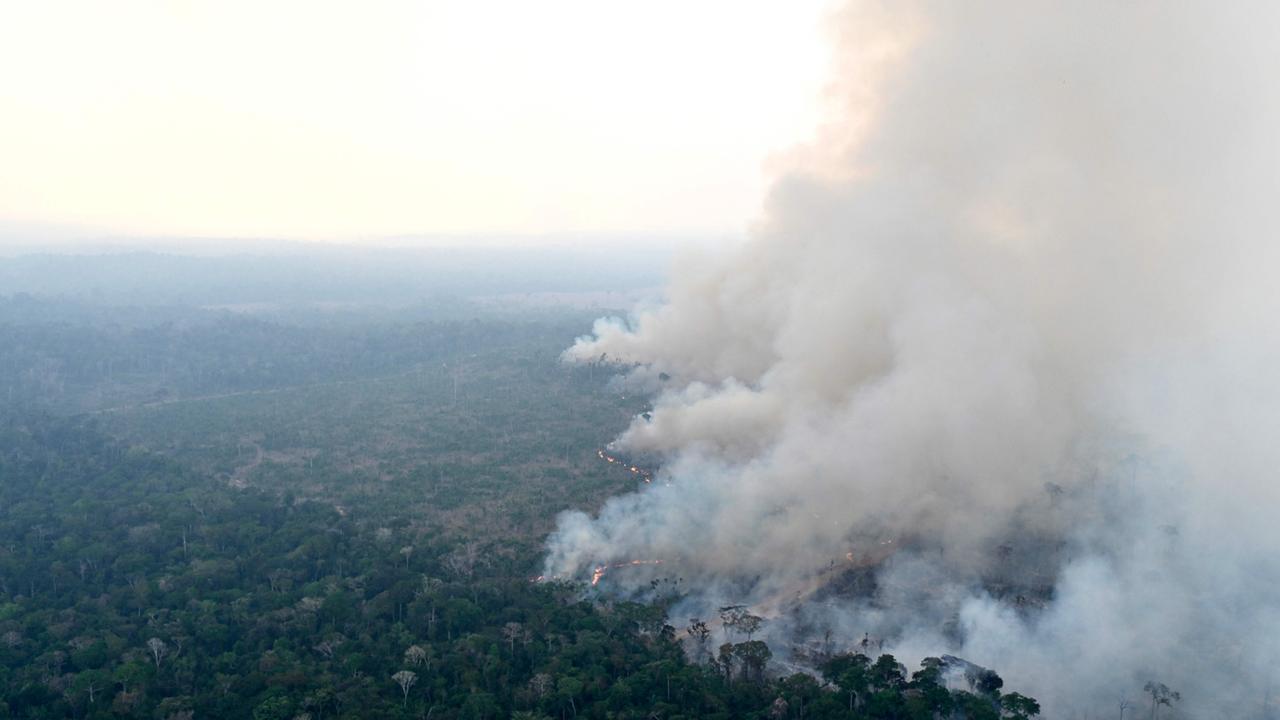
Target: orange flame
645 474
600 570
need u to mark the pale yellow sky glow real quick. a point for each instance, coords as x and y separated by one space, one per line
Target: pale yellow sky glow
338 120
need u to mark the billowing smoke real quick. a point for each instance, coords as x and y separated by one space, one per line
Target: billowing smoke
999 372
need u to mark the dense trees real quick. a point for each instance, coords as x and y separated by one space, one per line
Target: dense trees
133 587
360 549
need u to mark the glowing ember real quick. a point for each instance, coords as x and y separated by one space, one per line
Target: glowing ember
645 474
600 570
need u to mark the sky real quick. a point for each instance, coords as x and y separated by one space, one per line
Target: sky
355 120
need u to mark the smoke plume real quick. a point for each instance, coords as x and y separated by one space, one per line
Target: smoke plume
998 373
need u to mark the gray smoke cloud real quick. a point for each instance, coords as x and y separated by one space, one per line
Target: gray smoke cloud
1004 341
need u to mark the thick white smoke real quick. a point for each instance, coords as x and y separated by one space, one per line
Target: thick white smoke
1013 314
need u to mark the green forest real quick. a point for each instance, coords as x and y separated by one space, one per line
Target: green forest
206 514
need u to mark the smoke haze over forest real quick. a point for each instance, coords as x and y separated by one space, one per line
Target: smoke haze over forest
1013 312
303 413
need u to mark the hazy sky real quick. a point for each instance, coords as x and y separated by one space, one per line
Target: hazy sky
354 119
